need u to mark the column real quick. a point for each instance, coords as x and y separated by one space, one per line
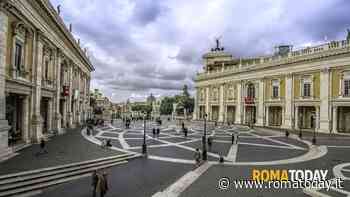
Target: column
296 117
317 118
238 113
58 116
4 127
195 110
37 120
260 119
78 110
287 114
25 119
49 115
267 116
335 119
324 101
283 116
221 103
207 110
69 103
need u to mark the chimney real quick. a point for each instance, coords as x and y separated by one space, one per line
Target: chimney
70 27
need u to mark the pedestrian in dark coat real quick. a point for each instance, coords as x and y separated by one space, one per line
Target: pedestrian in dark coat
102 184
158 132
42 147
232 138
94 183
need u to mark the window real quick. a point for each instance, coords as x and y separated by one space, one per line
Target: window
307 90
275 88
347 87
275 91
46 69
306 86
251 91
18 56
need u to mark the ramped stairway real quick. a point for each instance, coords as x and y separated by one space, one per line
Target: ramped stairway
29 181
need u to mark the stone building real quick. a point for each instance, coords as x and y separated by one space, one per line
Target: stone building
45 75
307 88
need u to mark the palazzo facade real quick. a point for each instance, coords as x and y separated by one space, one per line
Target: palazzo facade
307 88
45 74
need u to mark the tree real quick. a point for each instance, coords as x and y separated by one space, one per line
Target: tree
186 100
166 107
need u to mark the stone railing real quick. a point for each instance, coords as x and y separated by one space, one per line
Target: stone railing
250 63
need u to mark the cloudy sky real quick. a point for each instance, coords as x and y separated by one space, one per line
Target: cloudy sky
144 46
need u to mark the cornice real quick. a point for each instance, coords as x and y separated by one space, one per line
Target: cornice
281 62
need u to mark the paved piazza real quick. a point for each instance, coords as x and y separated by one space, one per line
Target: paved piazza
172 146
257 148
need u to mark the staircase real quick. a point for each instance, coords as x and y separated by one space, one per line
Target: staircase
29 181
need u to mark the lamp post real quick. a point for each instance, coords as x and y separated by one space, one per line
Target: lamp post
300 133
204 139
144 145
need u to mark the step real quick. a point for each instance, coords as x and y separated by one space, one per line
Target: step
68 177
38 178
20 179
19 174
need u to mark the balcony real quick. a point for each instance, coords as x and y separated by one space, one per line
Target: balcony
47 83
20 73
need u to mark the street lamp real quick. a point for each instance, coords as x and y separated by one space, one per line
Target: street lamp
144 145
300 133
204 139
314 137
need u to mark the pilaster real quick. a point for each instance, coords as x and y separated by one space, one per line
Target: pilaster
287 114
70 96
195 110
207 97
57 114
25 119
4 127
37 120
238 114
260 119
335 120
221 103
324 117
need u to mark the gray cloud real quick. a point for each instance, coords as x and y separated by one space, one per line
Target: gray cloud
143 46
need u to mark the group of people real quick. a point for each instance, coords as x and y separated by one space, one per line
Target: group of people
99 183
127 123
155 132
106 143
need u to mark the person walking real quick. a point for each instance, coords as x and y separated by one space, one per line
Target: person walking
102 184
94 183
154 131
158 132
42 147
